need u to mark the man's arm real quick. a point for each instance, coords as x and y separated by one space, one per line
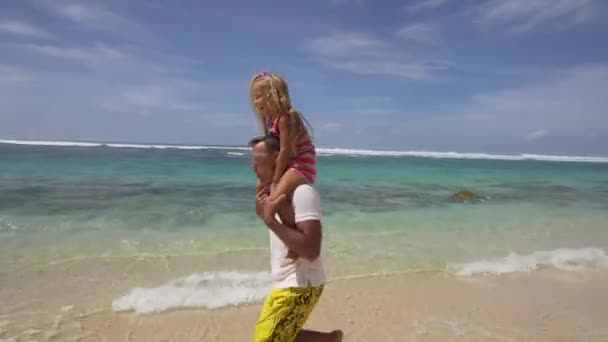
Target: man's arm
305 239
260 192
285 212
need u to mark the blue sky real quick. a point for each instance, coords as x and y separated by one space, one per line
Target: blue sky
497 76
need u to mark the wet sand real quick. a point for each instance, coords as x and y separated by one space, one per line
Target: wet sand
546 305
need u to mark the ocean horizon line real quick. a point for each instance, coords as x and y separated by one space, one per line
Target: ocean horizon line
323 151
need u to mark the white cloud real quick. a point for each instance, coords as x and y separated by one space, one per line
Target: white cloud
117 59
347 43
98 86
330 125
87 13
564 91
569 103
425 4
524 15
162 94
134 105
93 16
345 2
563 112
364 54
125 80
24 29
536 135
10 75
423 33
98 54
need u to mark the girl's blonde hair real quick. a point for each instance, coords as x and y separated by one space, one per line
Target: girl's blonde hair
279 103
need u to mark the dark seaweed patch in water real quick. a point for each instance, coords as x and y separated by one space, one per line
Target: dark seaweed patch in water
67 207
532 191
600 190
368 198
32 190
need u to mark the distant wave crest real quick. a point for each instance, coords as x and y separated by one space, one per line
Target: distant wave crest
330 151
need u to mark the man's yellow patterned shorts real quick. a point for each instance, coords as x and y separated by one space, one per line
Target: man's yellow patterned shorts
284 313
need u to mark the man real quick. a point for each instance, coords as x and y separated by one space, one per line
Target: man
296 266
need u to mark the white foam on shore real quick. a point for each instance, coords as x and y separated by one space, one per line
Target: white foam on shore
206 290
563 259
330 151
220 289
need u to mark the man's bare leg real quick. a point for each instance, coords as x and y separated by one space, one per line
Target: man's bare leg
317 336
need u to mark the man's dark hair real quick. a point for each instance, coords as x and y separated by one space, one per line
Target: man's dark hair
272 142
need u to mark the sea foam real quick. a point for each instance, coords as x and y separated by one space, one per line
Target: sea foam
563 259
206 290
220 289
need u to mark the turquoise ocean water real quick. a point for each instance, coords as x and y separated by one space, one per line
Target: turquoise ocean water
383 213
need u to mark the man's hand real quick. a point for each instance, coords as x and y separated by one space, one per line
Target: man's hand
260 196
271 207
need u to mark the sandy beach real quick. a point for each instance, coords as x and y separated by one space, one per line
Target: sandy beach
547 305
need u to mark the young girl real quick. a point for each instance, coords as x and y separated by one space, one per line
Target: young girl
295 165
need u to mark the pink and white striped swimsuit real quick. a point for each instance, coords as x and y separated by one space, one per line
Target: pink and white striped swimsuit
304 162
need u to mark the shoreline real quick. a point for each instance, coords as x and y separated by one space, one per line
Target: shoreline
544 305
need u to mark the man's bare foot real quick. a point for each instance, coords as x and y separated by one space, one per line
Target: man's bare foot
337 336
